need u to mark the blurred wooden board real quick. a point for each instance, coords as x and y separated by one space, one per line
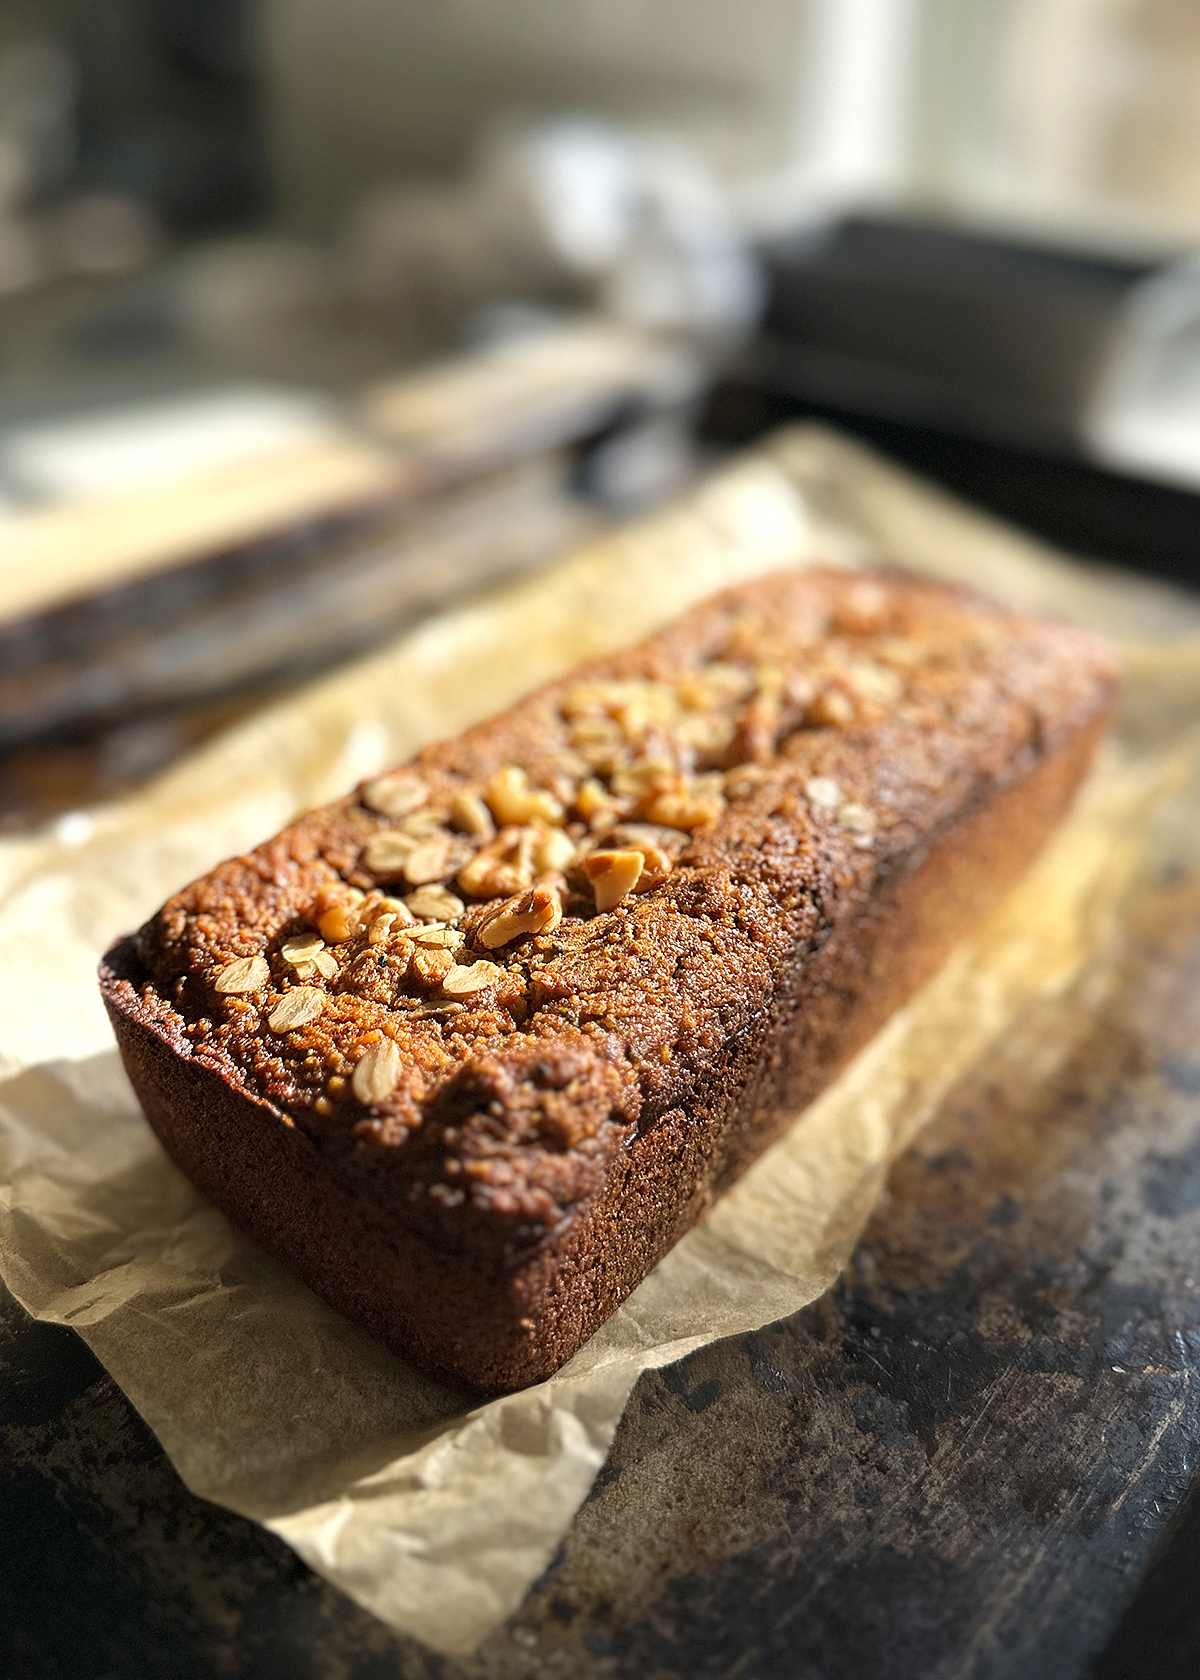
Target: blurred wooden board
63 553
442 481
410 435
284 606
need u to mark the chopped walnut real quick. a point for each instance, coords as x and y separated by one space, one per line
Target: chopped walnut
469 813
688 804
553 850
707 734
657 864
642 835
899 650
758 730
646 706
658 846
625 699
598 741
350 912
715 685
570 767
595 804
613 875
799 688
746 637
535 911
504 866
553 881
513 801
337 923
645 775
830 709
770 682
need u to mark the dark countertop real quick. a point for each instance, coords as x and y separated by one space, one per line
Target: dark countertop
973 1457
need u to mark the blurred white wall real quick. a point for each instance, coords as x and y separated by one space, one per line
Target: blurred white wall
1074 112
775 93
1083 113
369 89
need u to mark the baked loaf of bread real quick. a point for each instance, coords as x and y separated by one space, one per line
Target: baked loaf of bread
471 1048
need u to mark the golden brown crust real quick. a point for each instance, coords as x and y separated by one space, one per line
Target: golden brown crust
824 777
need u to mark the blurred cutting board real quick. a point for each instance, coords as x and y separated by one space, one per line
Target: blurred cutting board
395 442
131 623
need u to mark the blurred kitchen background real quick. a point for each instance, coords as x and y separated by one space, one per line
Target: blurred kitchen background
318 314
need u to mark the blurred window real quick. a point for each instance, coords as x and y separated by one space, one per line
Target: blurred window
1083 111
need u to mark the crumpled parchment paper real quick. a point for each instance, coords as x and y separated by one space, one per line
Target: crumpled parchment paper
436 1514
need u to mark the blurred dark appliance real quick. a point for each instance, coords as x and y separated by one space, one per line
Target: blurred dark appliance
976 359
168 107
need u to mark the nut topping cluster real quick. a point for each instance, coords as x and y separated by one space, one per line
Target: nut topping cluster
468 882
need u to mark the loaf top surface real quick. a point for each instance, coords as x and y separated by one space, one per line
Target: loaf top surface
471 980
